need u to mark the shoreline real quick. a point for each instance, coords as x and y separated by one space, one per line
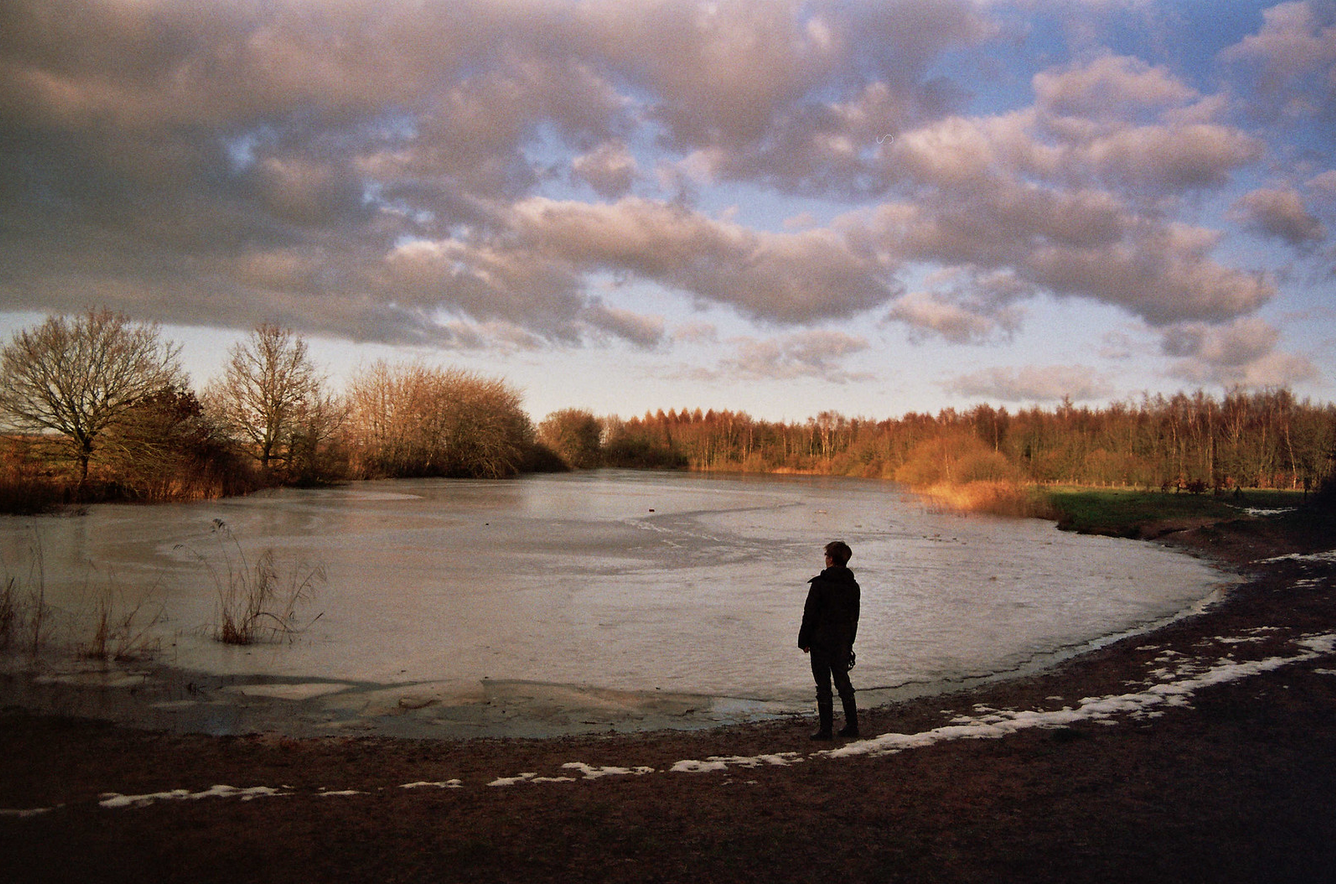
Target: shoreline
1199 751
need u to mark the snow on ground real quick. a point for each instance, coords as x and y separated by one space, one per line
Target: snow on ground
719 762
1101 710
1320 557
1172 683
112 799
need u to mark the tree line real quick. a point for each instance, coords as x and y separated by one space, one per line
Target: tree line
1192 442
96 406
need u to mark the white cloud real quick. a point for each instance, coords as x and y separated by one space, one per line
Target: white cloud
1294 56
696 333
1241 353
1237 344
1324 183
325 139
1280 213
790 277
1111 86
1033 384
927 312
810 354
643 331
610 169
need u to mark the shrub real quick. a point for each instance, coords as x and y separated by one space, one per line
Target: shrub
959 459
415 420
575 436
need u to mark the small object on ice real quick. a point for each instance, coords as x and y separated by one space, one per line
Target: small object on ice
416 702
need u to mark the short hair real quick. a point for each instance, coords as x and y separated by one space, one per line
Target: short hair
839 551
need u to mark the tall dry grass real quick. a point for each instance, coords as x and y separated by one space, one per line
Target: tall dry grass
121 628
998 498
24 614
102 625
259 601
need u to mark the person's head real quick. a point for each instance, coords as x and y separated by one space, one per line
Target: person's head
838 552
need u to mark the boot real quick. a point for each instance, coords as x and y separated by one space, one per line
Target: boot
825 710
850 728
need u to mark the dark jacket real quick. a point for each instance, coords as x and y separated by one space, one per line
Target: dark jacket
830 616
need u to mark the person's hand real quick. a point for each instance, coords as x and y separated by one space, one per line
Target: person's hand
805 650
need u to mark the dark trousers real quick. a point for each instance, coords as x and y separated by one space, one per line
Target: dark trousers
828 665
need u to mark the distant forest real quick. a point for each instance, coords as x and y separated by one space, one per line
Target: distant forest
96 408
1192 442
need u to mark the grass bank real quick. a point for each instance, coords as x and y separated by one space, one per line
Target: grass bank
1129 512
1117 512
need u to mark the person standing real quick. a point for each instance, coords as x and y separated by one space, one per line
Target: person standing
829 627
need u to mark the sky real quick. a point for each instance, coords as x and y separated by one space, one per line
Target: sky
773 207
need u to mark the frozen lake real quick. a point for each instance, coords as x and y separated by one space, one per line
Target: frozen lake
629 581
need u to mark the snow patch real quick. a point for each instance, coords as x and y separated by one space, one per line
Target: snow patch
1140 704
114 799
723 762
1318 644
531 777
1320 557
593 773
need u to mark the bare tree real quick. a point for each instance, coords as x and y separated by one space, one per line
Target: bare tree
78 376
315 453
267 391
575 435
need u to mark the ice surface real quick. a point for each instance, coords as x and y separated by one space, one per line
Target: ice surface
646 584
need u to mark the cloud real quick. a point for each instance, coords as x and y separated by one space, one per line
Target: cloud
790 277
1173 157
1324 183
1241 353
808 354
1080 244
411 173
610 169
696 333
960 324
745 76
1237 344
1033 384
1272 370
1294 59
1110 87
481 281
643 331
1280 213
